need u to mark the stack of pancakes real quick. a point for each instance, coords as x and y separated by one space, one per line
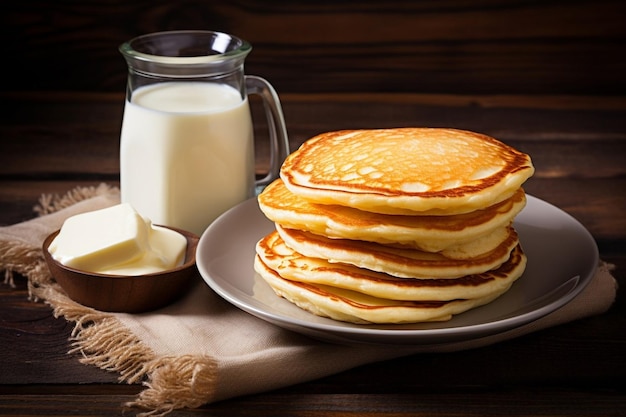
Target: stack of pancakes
394 225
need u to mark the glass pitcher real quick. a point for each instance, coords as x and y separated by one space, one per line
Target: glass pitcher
187 146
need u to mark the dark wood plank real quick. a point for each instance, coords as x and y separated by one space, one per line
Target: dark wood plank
470 402
309 46
36 344
18 198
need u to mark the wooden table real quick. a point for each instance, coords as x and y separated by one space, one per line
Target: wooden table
52 143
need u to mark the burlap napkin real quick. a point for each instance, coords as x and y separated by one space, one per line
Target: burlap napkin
201 349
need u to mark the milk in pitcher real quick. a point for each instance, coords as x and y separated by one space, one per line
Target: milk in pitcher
186 152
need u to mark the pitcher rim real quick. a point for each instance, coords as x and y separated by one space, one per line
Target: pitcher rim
242 49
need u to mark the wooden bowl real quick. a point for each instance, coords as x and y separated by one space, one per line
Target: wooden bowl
128 294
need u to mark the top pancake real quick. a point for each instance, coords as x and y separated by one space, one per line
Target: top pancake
425 171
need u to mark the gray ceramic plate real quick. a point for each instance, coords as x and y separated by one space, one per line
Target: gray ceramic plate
562 257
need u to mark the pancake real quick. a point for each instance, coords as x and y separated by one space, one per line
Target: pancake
399 262
291 265
461 236
355 307
424 171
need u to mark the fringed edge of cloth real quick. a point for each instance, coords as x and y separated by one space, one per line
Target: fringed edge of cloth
171 382
51 203
181 382
18 257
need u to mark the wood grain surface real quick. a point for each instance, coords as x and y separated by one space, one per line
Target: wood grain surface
452 46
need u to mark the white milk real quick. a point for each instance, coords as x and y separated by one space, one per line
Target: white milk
186 153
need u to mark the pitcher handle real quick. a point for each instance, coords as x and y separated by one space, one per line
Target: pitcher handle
279 142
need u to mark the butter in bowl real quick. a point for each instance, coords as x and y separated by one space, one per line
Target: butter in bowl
115 260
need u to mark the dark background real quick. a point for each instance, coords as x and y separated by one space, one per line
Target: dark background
313 46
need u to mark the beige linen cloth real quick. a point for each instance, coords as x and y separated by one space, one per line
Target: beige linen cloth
201 349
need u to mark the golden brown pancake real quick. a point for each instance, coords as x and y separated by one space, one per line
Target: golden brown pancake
399 262
291 265
424 171
356 307
394 225
459 236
